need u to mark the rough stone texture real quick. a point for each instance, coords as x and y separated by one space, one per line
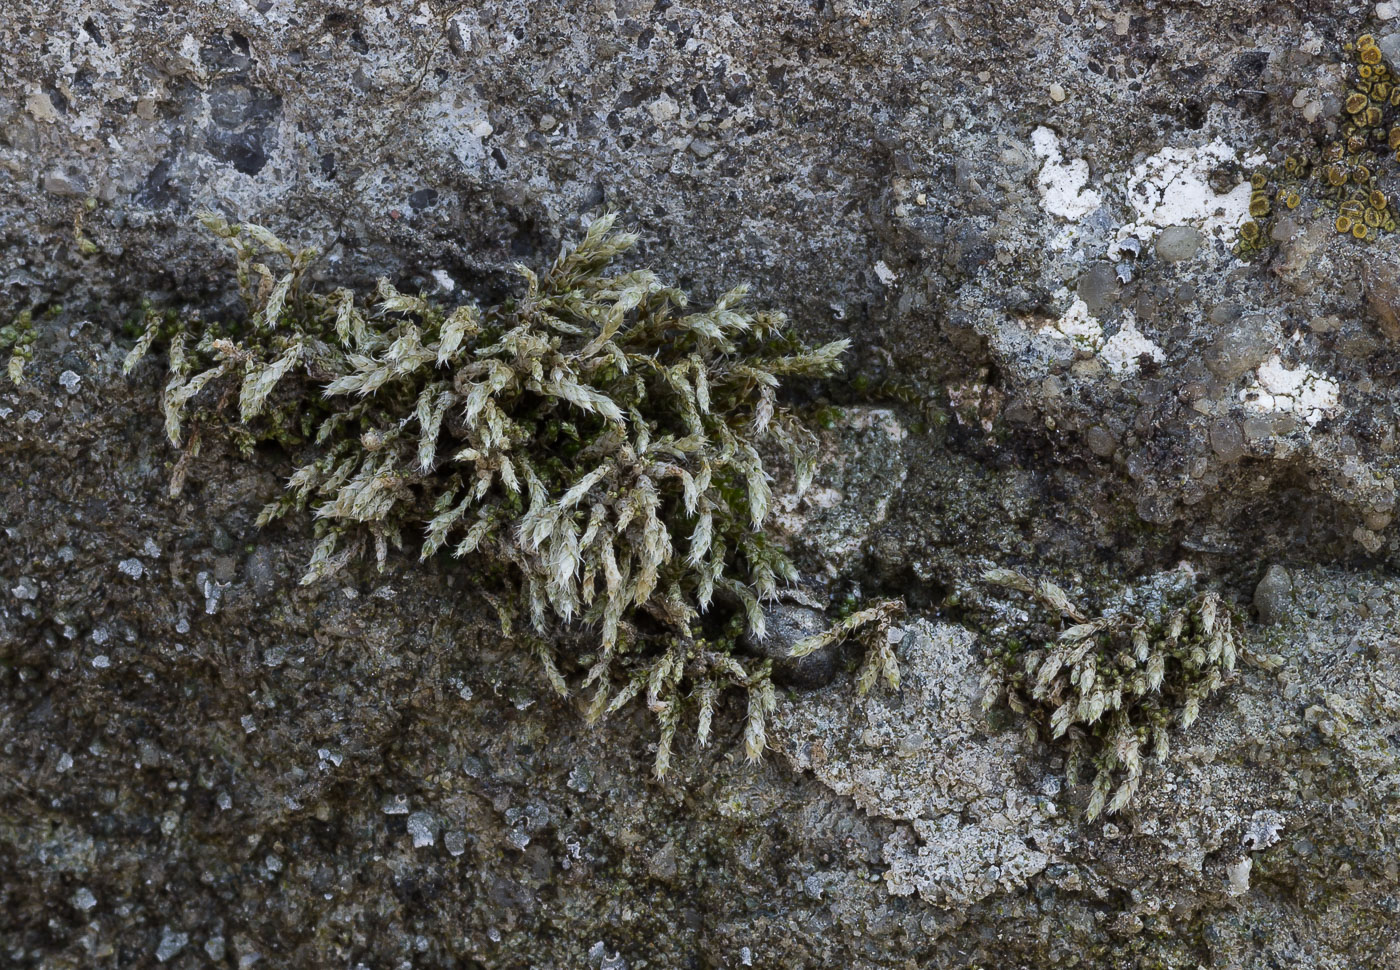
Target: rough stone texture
984 818
203 764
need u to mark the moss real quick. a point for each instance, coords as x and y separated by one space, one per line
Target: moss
1114 685
592 440
18 338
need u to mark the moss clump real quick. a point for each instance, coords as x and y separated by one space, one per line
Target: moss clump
1114 684
591 441
18 337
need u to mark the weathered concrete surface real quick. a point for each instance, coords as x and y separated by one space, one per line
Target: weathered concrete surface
904 172
201 763
1239 835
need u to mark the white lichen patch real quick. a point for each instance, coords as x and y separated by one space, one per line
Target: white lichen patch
1121 354
1264 829
1080 327
954 865
1062 183
1303 391
923 759
1172 188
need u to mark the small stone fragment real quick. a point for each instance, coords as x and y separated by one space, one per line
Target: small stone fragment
663 108
1242 346
1057 92
1099 288
1273 594
423 829
1101 441
1257 429
1177 243
25 589
1239 876
171 943
1390 47
58 182
789 623
1227 440
455 842
1368 539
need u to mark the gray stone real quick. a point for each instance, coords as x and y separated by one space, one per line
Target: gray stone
58 182
1177 243
1242 346
1274 595
1099 288
171 943
1101 441
1390 47
787 624
1227 440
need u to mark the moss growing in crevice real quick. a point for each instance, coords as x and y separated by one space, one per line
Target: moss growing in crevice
17 339
594 445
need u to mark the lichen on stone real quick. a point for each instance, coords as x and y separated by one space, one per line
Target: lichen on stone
1345 179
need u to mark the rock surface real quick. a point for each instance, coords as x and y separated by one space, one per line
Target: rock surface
1023 219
